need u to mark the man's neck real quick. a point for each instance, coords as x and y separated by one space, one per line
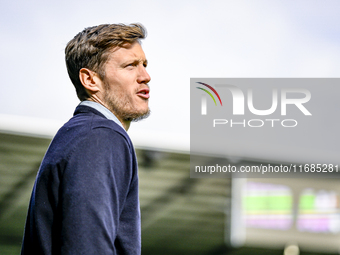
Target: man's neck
125 123
122 123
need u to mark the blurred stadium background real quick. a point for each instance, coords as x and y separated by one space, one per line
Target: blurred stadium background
182 215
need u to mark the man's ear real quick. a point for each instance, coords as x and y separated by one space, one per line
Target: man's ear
90 80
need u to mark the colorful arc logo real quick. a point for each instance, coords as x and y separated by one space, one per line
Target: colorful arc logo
212 89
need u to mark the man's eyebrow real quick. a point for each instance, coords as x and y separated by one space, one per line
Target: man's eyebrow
136 61
142 60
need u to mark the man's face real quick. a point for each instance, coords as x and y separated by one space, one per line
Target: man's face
126 83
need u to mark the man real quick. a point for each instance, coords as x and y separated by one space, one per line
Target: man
85 198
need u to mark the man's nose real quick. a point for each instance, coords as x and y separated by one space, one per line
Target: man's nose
143 76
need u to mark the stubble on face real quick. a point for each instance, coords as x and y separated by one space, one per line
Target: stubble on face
120 105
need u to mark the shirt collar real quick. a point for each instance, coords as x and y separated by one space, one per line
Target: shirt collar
103 110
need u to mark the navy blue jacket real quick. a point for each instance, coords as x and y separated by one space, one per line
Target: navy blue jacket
85 198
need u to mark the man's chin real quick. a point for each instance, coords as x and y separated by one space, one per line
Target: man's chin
138 116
